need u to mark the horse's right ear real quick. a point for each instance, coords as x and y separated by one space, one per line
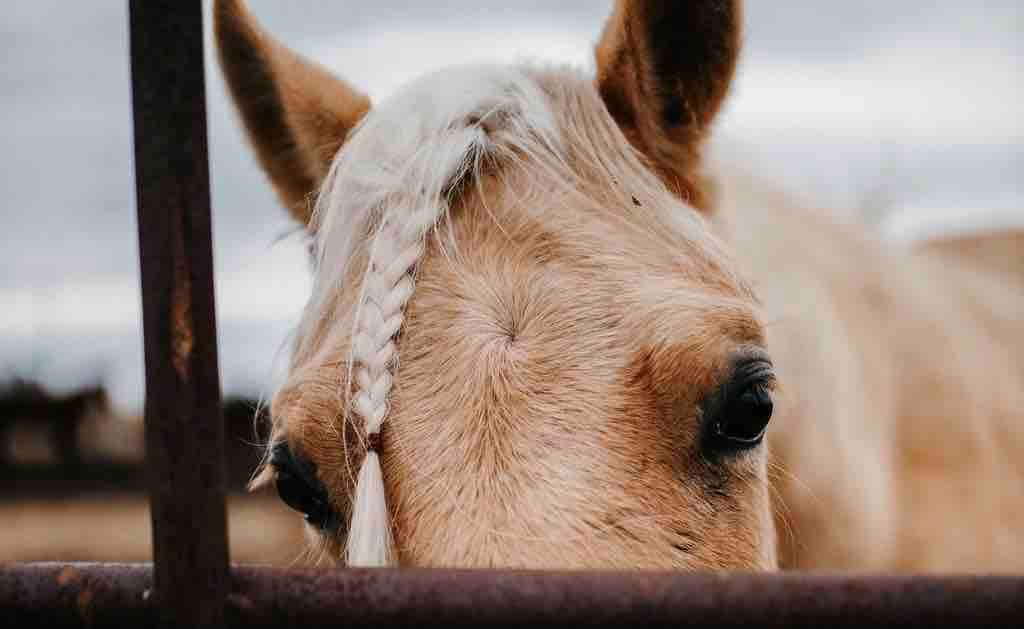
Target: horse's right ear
663 70
296 113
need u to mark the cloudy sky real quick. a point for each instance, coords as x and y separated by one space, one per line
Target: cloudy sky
911 108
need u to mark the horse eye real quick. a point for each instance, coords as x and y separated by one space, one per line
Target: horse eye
299 488
739 412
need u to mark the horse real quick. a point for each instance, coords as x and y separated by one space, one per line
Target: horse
60 416
546 330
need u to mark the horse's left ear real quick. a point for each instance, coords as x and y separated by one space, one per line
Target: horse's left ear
663 70
296 113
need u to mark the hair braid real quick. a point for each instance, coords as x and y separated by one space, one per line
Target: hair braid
388 285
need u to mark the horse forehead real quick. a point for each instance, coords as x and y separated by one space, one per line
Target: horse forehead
590 253
595 283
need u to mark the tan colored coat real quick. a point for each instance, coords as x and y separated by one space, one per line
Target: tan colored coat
899 441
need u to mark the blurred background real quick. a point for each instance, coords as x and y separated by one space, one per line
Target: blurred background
904 116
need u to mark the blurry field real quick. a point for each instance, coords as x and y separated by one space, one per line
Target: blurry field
73 482
116 527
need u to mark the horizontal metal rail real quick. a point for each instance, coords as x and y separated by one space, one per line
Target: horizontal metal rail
114 595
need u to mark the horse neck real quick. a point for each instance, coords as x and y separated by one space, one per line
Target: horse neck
893 384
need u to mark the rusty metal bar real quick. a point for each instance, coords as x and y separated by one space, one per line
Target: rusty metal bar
184 430
70 595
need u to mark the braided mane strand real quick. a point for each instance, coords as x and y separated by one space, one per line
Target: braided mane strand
392 183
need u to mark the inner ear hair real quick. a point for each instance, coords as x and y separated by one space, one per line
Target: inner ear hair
664 69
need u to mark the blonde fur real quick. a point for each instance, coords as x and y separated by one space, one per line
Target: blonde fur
528 140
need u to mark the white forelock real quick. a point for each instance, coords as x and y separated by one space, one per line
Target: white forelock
388 187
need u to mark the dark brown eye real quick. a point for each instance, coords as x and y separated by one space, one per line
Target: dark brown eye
299 488
737 415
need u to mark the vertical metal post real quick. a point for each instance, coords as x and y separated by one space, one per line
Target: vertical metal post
184 430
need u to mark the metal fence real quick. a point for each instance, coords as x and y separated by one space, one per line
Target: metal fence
191 583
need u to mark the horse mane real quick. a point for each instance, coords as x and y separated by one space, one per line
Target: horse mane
388 187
